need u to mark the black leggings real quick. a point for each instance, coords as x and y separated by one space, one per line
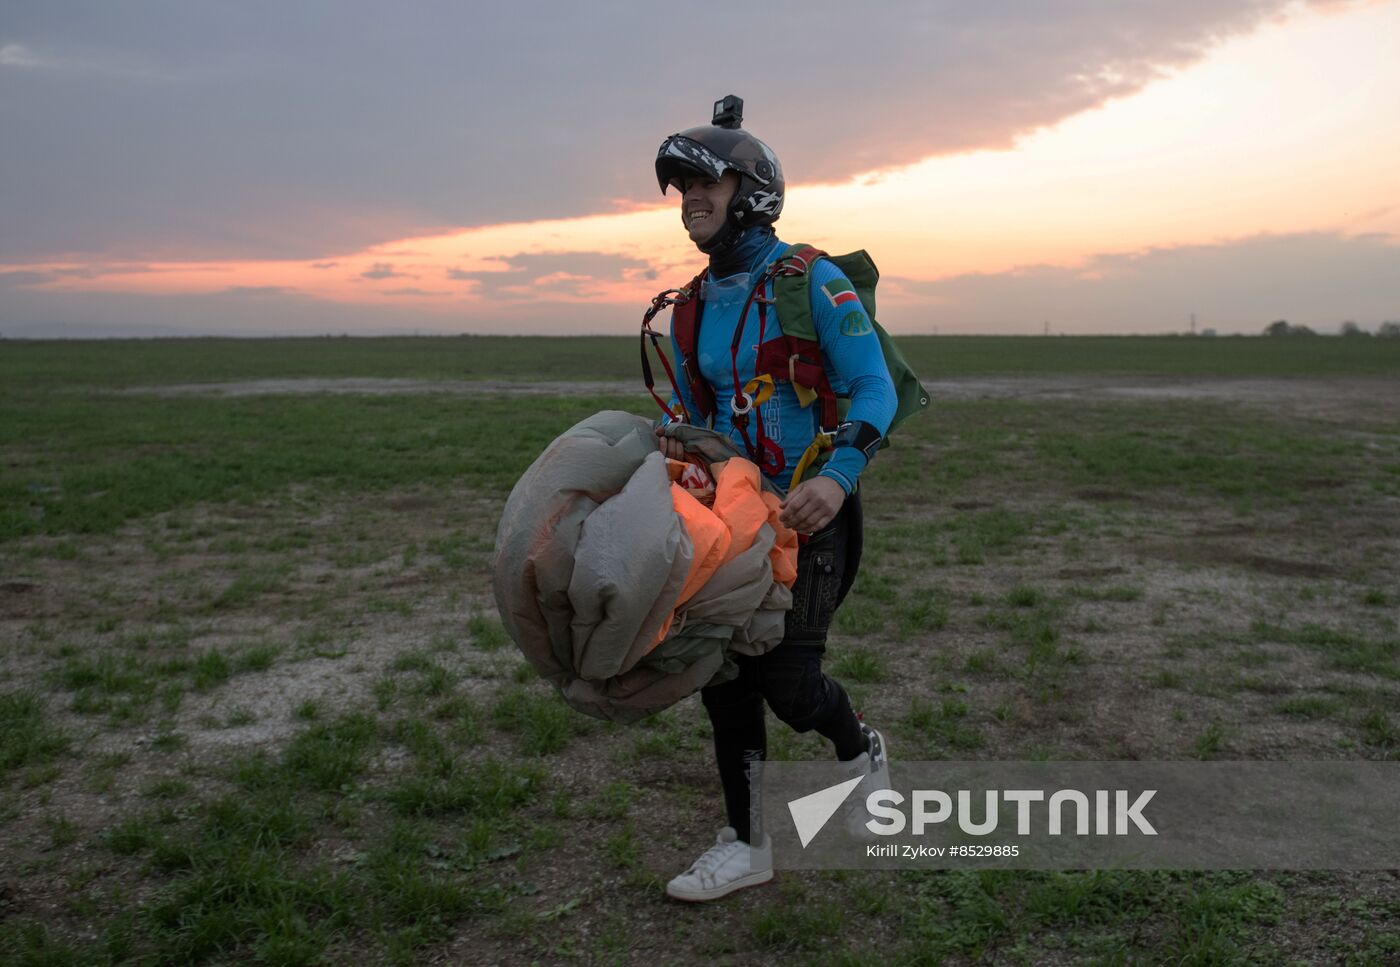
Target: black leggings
790 677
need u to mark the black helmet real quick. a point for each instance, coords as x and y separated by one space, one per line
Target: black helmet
721 146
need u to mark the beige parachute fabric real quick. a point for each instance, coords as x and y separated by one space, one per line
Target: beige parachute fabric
591 557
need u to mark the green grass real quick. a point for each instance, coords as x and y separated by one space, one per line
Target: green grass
487 791
927 613
1030 620
613 802
488 634
33 364
977 534
1101 916
89 464
1210 742
379 834
1310 707
859 617
234 878
125 681
1379 731
1141 450
541 721
623 849
858 665
939 729
249 586
327 756
26 735
1343 650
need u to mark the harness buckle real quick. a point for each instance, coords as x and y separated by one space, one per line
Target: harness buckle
741 410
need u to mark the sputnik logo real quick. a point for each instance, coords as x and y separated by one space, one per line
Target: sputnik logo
810 813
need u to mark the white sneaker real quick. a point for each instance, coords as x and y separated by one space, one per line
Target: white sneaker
874 764
727 866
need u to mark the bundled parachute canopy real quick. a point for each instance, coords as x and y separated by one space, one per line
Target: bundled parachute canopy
622 588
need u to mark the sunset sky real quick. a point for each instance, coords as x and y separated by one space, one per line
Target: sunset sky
328 167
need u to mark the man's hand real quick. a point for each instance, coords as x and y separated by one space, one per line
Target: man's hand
673 448
812 504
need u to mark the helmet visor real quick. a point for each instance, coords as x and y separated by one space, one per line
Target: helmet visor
680 157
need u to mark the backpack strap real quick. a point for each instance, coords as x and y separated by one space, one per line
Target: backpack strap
795 357
685 328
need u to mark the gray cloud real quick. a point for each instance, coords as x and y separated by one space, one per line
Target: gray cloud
294 130
35 277
18 56
528 275
19 277
1319 279
380 270
257 291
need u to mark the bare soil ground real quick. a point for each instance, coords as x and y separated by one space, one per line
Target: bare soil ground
1337 397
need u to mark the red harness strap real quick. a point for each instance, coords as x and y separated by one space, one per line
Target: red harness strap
800 361
685 329
786 358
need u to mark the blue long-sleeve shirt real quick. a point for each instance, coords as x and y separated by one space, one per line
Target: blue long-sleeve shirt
851 353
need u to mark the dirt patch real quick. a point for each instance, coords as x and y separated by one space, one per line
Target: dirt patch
1104 495
1234 529
1077 573
390 387
1314 397
23 600
1214 554
1339 398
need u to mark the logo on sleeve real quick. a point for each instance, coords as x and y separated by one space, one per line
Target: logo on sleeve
856 324
839 292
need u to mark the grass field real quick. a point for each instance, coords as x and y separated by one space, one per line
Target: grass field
255 704
148 362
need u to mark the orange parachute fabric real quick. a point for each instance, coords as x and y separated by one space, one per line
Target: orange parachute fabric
723 532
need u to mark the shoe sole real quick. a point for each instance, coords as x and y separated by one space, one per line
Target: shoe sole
753 879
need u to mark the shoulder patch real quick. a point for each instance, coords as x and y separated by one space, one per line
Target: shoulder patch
856 324
839 292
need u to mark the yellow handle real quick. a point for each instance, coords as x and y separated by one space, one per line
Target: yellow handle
820 442
760 388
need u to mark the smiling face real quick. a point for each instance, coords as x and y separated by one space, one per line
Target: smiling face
705 203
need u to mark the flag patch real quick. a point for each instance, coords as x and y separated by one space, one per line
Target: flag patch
839 292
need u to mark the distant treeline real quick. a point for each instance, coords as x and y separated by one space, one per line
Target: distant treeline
1282 327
